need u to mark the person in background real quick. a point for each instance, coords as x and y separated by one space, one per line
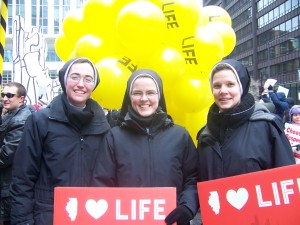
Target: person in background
295 115
11 130
280 102
112 116
59 146
291 102
228 144
266 101
149 150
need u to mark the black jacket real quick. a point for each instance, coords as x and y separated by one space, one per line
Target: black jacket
11 131
248 140
164 156
52 153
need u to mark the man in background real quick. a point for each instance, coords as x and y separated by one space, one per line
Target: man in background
11 129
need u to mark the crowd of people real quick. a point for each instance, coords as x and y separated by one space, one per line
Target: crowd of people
74 142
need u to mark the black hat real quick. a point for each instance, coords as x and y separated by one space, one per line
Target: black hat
240 72
63 72
136 74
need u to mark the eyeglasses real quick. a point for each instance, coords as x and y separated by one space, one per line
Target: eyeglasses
139 94
8 95
75 78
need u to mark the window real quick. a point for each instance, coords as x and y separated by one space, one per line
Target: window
6 77
8 56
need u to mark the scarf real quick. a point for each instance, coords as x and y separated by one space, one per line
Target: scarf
219 123
78 118
153 122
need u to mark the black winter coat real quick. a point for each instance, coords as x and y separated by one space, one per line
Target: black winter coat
53 153
11 131
248 141
160 156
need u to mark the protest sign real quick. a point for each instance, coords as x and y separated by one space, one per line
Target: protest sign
118 206
267 197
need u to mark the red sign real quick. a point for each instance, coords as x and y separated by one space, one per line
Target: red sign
118 206
269 197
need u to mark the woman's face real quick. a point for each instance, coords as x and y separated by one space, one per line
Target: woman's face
226 90
144 96
78 90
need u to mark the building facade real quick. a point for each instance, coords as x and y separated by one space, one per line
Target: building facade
267 31
268 39
47 16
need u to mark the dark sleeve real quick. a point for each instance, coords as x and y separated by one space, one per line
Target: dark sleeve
277 102
282 150
25 173
104 174
189 194
11 141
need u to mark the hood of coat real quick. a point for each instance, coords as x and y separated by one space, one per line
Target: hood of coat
63 72
136 74
294 110
240 72
281 96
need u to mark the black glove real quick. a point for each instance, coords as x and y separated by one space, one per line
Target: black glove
182 215
270 88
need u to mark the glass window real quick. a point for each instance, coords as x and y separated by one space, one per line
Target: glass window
276 13
266 20
8 56
295 4
6 77
281 10
295 23
288 25
282 28
52 74
271 16
288 6
259 5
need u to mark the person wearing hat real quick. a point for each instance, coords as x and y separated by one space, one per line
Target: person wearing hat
240 136
59 145
295 115
148 150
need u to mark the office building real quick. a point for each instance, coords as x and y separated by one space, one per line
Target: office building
268 39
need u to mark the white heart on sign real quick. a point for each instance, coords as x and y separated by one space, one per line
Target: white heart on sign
237 198
96 209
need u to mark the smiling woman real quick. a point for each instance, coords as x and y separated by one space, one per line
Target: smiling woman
240 135
148 150
63 139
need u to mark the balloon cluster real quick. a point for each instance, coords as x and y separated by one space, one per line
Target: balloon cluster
179 39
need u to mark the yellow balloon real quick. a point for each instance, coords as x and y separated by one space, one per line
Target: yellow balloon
195 121
192 95
182 17
214 13
227 34
73 25
202 51
99 16
167 62
94 48
140 25
114 73
63 47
